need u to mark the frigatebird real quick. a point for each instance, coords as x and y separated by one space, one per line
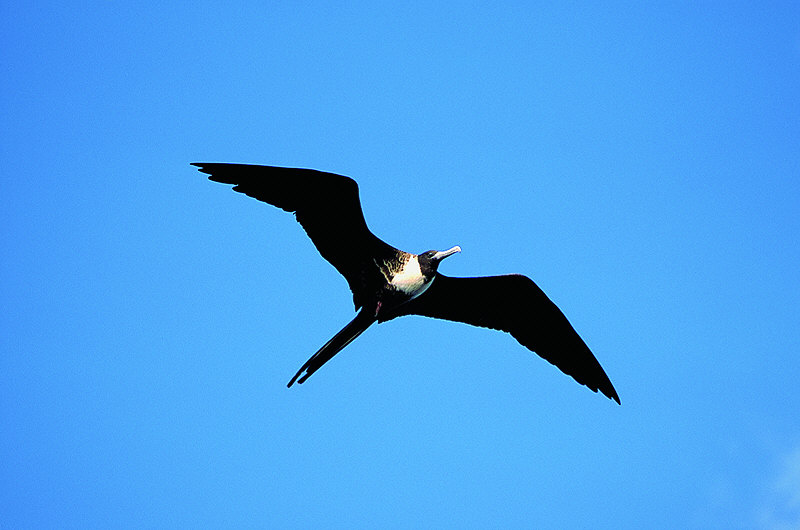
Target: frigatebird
388 283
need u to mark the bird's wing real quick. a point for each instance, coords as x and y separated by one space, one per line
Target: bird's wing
325 204
515 304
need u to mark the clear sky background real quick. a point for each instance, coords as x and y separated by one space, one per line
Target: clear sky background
640 161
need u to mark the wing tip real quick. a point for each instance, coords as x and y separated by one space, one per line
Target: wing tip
610 392
202 167
208 168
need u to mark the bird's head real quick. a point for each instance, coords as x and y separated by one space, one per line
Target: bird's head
429 261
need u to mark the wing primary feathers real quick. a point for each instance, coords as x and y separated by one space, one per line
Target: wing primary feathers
326 205
515 304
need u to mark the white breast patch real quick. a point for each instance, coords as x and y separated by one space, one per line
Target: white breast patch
410 280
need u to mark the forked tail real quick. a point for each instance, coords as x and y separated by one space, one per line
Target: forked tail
348 334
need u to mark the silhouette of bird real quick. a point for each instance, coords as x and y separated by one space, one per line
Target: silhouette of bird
388 283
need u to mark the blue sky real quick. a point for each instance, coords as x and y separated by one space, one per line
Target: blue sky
641 162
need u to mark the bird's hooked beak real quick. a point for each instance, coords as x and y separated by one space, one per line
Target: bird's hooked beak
444 253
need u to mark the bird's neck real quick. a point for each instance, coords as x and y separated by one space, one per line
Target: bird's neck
406 276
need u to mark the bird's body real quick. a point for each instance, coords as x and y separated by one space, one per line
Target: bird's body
408 278
387 283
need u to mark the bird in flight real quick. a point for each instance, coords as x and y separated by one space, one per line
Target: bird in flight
388 283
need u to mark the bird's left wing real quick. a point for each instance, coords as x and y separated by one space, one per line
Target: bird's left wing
325 204
515 304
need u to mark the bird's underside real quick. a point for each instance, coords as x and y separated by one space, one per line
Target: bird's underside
387 283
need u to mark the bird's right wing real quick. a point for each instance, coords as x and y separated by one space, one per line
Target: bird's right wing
515 304
325 204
